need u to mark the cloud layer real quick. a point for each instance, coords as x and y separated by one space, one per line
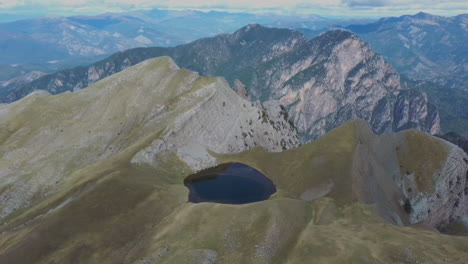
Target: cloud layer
361 8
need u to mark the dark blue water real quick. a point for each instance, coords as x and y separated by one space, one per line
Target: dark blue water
233 183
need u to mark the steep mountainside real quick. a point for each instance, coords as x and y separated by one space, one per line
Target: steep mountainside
322 83
97 176
154 101
423 46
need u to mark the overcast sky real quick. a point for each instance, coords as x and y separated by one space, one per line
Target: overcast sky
358 8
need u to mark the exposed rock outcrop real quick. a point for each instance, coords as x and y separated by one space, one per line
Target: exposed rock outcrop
410 177
413 110
432 179
447 201
241 89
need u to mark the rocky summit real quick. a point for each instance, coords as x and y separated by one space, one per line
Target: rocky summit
322 83
97 176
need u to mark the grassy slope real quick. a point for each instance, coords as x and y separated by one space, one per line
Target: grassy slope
105 189
117 213
328 158
109 211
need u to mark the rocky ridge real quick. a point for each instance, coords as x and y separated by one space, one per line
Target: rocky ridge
171 109
322 83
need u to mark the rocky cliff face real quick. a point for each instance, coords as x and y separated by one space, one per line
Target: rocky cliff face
451 103
447 201
412 110
410 177
339 79
155 103
322 83
432 178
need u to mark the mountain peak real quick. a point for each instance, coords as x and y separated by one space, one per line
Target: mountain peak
341 32
267 34
162 61
252 26
423 15
337 35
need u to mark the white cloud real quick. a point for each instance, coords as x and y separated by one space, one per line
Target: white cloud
330 7
10 3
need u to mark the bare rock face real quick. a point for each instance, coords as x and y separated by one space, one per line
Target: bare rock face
222 122
341 78
412 110
147 111
241 89
411 177
447 201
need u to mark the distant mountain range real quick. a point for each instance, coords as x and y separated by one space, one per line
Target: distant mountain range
54 38
427 50
322 83
423 46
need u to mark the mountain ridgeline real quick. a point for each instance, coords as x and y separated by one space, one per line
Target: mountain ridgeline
422 46
55 39
322 83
